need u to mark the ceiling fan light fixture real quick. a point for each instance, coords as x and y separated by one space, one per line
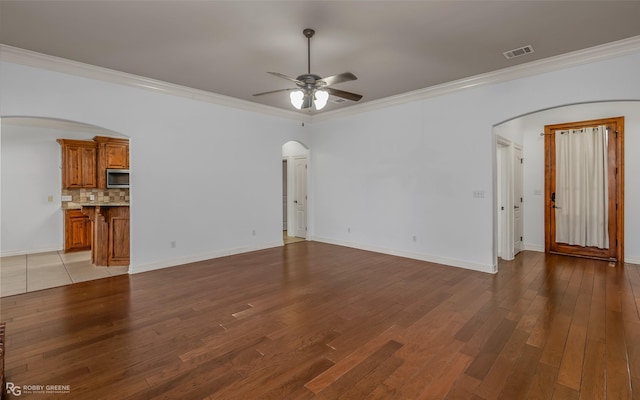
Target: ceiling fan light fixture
320 99
297 98
313 90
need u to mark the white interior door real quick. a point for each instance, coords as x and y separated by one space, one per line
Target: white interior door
504 198
300 197
517 200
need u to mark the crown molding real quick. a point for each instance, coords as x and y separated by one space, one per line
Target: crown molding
597 53
575 58
33 59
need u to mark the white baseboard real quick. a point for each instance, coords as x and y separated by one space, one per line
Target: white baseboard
25 252
632 260
534 247
136 269
451 262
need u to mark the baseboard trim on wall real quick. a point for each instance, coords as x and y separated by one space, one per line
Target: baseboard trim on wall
450 262
632 260
534 247
136 269
11 253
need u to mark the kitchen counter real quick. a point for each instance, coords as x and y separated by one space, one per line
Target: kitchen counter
69 205
110 233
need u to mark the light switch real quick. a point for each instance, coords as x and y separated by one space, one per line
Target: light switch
67 198
50 199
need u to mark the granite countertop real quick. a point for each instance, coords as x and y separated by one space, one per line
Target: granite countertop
69 205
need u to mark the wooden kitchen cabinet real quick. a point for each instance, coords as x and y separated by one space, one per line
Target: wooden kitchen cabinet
113 153
77 231
110 226
78 163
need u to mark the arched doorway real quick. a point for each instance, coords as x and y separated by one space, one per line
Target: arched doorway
33 207
527 131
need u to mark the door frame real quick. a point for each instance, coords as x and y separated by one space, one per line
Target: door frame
616 233
294 198
517 185
504 198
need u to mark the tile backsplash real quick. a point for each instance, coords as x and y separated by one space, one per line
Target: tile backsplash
100 195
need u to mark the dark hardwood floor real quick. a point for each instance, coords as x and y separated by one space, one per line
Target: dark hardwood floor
317 321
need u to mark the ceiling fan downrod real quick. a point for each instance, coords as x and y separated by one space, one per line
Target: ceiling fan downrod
308 33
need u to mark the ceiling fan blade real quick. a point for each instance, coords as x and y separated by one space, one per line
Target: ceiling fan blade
344 95
283 76
343 77
274 91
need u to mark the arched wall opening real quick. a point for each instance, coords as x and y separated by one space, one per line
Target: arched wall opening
31 193
525 131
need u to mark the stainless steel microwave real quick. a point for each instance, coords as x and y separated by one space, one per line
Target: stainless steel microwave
117 178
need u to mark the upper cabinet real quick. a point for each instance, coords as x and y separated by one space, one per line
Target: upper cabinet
85 162
113 153
78 163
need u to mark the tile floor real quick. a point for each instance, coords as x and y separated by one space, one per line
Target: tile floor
27 273
290 239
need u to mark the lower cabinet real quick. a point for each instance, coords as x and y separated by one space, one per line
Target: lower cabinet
110 235
118 236
77 231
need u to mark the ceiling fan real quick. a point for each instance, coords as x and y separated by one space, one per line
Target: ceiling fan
312 89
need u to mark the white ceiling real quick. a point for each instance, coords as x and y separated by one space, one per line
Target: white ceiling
226 47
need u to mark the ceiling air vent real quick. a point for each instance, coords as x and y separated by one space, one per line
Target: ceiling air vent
338 100
518 52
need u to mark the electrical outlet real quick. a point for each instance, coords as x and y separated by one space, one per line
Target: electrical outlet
92 197
478 194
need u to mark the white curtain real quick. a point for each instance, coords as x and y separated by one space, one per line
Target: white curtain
582 187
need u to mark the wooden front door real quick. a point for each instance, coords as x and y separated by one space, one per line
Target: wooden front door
615 190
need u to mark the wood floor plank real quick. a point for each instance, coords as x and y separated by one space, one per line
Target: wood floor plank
593 373
522 376
318 321
496 379
541 387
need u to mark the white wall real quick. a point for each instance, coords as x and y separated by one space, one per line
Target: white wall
30 174
379 178
385 176
203 175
